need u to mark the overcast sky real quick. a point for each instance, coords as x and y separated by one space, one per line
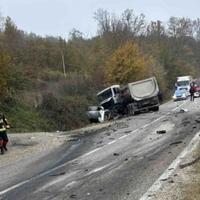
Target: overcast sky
59 17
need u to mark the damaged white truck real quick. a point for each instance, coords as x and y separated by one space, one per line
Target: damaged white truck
126 100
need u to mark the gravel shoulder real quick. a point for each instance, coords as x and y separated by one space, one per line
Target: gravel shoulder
25 145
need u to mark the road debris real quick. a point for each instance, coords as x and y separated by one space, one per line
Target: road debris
164 179
175 143
108 134
183 110
73 196
185 123
161 132
171 181
128 131
73 140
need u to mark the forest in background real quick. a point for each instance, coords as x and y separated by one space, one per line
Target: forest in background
46 83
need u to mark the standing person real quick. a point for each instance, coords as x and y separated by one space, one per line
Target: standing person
192 91
3 135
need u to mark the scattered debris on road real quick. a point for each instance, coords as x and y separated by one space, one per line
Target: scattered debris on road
128 131
182 110
197 120
175 143
73 196
161 132
164 179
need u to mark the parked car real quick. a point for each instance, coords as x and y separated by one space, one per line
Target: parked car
181 93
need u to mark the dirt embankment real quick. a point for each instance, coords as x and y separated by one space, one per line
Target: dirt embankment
24 145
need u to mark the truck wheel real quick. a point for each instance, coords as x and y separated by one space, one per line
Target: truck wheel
131 110
155 108
107 117
93 120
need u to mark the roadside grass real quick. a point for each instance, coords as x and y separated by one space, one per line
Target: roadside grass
24 119
192 190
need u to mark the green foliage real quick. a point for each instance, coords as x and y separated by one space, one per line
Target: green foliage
4 61
51 75
22 117
63 114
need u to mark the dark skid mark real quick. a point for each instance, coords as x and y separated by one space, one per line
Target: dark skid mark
59 174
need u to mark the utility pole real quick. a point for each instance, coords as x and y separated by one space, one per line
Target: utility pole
63 63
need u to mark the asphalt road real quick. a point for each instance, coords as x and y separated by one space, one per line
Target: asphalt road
118 162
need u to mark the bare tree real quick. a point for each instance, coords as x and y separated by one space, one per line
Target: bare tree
196 28
136 24
180 27
156 28
103 18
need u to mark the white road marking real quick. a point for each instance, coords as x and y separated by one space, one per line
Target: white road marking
112 142
89 153
156 120
33 178
179 106
13 187
98 169
135 130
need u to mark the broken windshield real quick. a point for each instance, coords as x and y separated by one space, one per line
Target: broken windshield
105 95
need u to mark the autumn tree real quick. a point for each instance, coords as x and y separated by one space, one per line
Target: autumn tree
126 64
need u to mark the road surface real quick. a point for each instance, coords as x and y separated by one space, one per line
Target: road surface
115 163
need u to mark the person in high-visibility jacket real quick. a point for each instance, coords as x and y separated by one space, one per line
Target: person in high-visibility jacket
3 134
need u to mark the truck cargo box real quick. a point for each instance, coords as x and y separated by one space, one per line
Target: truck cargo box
143 89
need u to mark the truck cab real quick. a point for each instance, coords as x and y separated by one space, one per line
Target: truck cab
184 82
109 96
